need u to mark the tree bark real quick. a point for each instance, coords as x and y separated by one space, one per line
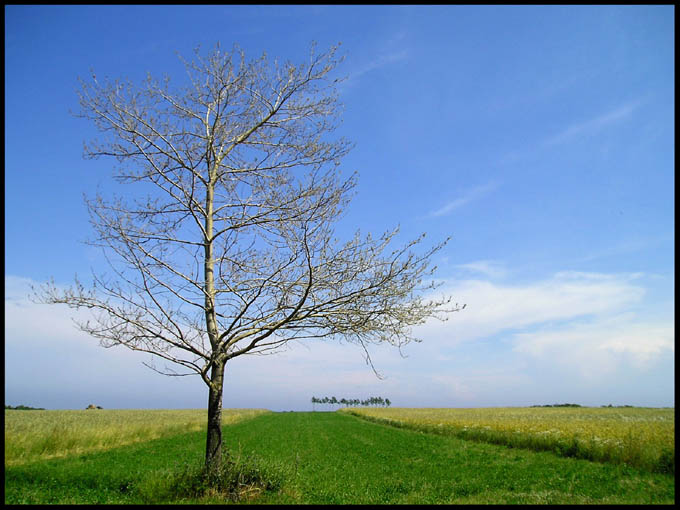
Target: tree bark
213 449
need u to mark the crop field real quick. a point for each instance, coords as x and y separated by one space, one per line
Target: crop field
641 437
300 458
34 435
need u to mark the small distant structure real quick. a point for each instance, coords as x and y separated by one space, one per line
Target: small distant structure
92 406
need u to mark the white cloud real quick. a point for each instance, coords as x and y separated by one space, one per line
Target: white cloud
458 387
596 349
50 363
513 344
642 341
584 326
488 384
492 308
44 322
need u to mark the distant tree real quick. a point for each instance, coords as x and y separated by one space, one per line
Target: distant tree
229 248
387 402
370 401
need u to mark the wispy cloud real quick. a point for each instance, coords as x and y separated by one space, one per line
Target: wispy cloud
391 50
630 245
595 124
468 196
589 127
378 62
489 268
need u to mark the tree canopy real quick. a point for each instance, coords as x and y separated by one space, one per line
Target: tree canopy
223 242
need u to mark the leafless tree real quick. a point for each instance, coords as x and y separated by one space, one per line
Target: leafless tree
225 245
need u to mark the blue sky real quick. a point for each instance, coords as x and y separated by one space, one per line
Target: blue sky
541 139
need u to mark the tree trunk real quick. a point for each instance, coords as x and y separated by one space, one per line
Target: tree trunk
213 449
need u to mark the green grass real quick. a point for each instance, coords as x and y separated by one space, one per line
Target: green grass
322 458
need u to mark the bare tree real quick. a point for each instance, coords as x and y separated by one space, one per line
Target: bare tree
228 247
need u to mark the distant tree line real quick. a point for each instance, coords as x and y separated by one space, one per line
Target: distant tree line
575 405
24 408
371 401
558 405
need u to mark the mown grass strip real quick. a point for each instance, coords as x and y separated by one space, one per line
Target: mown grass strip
344 461
591 434
321 458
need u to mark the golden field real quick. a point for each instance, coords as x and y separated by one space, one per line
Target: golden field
33 435
643 437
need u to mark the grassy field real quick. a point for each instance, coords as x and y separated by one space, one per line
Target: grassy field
640 437
323 458
35 435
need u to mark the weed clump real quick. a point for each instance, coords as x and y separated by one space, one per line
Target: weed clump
666 462
236 479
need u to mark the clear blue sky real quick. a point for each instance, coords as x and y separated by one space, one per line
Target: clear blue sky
540 138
